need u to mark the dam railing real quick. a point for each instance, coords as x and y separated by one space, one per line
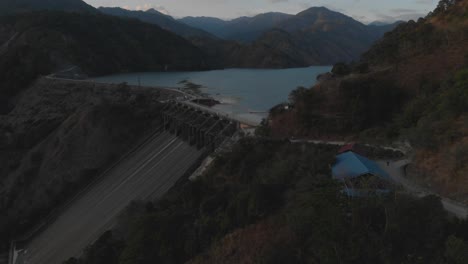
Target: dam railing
196 125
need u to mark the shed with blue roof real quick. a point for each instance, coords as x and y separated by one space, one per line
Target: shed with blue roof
359 173
352 165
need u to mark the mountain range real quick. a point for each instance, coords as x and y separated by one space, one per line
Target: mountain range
49 41
244 29
316 36
111 40
153 16
321 36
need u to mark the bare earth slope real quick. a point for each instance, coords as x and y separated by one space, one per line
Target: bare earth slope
60 136
146 174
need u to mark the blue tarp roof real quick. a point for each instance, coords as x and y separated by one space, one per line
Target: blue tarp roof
352 165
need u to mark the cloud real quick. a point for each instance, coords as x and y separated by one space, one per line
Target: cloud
146 6
425 2
402 17
360 18
402 10
400 14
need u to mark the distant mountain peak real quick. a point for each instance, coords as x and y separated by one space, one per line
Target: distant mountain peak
153 16
316 9
154 11
321 11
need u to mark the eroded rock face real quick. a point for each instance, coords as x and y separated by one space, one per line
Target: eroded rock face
60 136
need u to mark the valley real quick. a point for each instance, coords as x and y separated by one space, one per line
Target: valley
133 135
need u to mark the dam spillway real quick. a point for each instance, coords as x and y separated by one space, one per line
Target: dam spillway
197 127
147 173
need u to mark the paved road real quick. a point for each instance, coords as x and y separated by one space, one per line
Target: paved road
149 172
397 173
342 143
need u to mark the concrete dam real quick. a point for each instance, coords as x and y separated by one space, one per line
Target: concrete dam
186 135
197 127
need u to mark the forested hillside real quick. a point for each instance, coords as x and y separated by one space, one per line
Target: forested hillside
316 36
152 16
21 6
274 202
218 53
412 85
243 29
45 42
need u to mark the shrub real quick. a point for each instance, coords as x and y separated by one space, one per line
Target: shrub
341 69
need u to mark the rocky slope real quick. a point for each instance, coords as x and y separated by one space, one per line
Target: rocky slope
60 136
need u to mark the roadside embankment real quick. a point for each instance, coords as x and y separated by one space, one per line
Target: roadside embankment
61 135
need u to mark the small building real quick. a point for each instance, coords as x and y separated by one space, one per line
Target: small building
360 175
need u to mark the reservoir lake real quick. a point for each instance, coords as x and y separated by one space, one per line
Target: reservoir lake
240 91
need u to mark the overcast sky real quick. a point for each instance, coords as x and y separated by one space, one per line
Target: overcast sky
363 10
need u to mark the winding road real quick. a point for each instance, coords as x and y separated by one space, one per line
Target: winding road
396 171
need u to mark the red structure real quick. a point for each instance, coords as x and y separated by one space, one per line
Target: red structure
348 147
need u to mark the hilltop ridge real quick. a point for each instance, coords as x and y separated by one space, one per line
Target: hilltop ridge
40 43
153 16
22 6
316 36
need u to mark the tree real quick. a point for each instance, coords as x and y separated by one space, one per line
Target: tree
444 5
297 94
341 69
456 251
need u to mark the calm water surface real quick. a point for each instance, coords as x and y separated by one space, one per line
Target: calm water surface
239 90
